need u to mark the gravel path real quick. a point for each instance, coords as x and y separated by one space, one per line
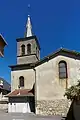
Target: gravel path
18 116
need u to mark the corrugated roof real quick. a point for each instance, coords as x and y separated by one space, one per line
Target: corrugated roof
6 85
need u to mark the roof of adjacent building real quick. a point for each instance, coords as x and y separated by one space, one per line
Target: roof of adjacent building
20 93
61 51
2 38
5 85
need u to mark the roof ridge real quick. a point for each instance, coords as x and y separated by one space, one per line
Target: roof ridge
52 55
59 50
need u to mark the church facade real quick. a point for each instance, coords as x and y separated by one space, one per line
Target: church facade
38 85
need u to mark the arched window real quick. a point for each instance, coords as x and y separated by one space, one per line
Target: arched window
62 70
21 81
29 49
23 49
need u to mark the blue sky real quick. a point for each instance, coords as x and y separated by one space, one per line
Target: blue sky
56 23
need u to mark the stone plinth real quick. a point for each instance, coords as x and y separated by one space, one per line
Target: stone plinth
56 107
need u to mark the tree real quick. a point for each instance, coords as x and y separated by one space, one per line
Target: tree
73 92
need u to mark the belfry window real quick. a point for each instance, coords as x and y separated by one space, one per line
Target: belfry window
62 70
23 49
21 81
29 49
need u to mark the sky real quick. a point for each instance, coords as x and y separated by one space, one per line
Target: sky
56 23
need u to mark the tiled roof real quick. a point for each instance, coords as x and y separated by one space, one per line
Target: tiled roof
21 92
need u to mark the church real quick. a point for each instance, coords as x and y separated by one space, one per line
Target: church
38 85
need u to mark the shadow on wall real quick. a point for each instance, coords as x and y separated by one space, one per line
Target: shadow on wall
74 111
32 104
32 100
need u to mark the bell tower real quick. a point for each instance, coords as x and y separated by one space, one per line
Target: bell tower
28 48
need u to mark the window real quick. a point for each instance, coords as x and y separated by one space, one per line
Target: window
29 49
21 81
62 69
23 49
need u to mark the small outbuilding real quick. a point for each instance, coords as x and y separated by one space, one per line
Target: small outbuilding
21 101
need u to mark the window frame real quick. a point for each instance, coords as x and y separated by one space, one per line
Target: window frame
28 48
64 68
21 81
23 49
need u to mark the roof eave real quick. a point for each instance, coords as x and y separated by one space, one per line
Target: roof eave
30 64
47 58
19 95
3 40
28 38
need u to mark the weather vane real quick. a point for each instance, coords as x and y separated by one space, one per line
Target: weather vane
29 9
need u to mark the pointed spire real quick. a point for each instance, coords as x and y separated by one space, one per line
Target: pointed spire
28 27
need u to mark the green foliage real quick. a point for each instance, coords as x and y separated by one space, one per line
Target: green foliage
73 92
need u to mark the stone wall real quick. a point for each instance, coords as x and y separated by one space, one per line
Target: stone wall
27 58
50 107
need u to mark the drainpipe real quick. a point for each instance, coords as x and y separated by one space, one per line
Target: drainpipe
35 90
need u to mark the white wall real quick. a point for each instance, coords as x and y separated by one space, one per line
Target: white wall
19 107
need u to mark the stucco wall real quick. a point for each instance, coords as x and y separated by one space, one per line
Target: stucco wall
49 86
29 78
